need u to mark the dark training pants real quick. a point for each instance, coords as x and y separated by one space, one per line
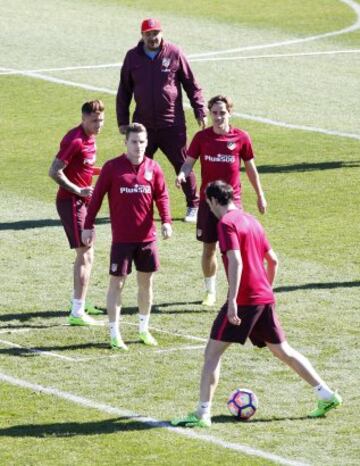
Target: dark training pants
172 142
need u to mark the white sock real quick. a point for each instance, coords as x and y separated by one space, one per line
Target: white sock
114 330
323 392
144 322
210 284
78 307
203 409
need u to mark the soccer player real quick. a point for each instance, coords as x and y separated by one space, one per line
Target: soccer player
250 310
220 149
132 183
154 73
73 169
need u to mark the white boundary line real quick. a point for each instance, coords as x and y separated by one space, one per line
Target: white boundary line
277 55
354 27
180 335
105 408
40 352
7 71
245 116
180 348
15 330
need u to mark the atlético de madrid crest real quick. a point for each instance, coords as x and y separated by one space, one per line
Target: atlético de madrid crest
148 175
166 62
231 145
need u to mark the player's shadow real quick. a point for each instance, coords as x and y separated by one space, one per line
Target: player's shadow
41 223
161 308
71 429
308 167
25 316
222 419
317 286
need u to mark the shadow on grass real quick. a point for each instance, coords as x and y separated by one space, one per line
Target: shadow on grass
306 167
41 223
160 308
222 419
317 286
71 429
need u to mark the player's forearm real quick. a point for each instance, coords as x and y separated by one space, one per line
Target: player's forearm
187 166
62 180
271 271
234 277
254 178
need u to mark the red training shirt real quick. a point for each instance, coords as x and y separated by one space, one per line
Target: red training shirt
239 230
220 157
78 152
132 191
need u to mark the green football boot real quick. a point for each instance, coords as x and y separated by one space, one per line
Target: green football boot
82 321
324 406
209 300
191 420
147 339
117 343
93 310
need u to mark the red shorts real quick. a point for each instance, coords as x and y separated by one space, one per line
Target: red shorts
72 213
144 255
206 226
258 322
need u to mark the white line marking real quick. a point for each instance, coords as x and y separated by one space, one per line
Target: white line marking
181 335
354 27
277 55
246 116
180 348
112 410
210 59
36 351
15 330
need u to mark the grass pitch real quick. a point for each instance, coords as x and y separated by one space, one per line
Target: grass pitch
311 181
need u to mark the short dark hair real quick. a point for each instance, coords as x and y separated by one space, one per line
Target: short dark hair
134 128
221 98
93 106
220 191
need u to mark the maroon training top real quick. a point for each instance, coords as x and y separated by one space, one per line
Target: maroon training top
156 87
132 191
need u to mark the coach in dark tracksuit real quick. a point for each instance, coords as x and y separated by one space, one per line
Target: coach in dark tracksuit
154 72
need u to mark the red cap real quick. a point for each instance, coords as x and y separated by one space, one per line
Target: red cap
150 24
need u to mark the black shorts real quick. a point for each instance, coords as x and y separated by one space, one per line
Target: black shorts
144 255
258 322
72 213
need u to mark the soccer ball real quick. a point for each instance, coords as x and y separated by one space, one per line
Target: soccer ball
242 403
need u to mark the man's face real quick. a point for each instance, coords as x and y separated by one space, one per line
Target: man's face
136 145
220 115
93 122
152 39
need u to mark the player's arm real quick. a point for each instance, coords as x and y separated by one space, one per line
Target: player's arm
254 178
235 267
185 171
161 198
272 264
124 96
193 91
56 172
101 188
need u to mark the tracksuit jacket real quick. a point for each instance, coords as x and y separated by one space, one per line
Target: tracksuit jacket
156 86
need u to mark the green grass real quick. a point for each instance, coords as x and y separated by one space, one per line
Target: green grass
311 183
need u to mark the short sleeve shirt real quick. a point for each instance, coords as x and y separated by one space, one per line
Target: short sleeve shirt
220 157
238 230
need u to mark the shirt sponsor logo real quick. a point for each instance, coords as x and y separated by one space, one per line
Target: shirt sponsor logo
220 158
148 175
89 161
136 189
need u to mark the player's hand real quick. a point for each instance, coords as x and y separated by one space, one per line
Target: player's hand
232 314
88 237
122 129
202 122
181 178
262 204
166 230
86 192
